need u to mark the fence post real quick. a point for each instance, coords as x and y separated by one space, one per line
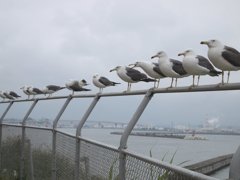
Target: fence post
78 133
123 141
1 120
54 166
23 138
30 159
234 172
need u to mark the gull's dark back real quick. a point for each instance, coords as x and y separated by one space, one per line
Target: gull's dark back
232 55
178 67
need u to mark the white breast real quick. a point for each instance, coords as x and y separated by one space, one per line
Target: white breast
167 70
191 66
122 74
97 83
148 68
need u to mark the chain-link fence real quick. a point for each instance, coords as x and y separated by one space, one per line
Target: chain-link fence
29 153
96 161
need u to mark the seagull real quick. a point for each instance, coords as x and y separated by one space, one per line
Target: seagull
131 75
76 85
102 82
14 95
34 91
50 89
26 91
7 95
170 67
2 95
223 57
151 69
197 65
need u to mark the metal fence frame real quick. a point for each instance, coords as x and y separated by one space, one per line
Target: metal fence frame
122 150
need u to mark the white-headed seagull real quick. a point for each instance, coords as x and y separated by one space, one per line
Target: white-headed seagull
223 57
50 89
76 85
170 67
131 75
102 82
197 65
151 69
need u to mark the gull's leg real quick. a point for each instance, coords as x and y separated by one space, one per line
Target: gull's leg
72 93
193 84
228 76
128 87
158 82
171 83
222 77
176 82
198 80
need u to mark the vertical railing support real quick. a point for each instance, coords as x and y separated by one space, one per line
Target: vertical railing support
1 120
123 141
22 158
55 122
78 133
30 159
234 172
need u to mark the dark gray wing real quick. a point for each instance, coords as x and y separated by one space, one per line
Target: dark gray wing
12 93
135 75
204 62
75 86
8 96
157 70
132 71
178 67
54 87
231 49
231 55
105 81
80 89
38 91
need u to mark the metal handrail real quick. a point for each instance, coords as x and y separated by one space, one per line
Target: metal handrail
182 89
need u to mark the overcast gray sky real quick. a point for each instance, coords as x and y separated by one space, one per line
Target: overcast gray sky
49 42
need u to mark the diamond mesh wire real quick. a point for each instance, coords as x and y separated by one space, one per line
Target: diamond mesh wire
39 142
65 156
142 170
98 162
10 151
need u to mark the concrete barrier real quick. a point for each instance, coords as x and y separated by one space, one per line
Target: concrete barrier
211 165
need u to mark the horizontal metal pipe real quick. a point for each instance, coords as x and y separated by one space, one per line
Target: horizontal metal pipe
212 87
27 126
